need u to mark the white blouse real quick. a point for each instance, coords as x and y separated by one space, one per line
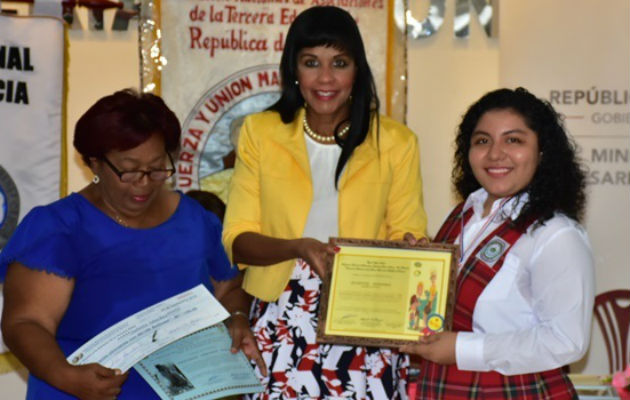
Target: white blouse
535 314
323 216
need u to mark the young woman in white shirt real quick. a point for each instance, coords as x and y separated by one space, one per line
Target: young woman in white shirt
525 284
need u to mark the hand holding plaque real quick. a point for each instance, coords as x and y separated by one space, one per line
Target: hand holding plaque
386 293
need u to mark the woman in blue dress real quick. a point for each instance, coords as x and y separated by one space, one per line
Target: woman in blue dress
124 242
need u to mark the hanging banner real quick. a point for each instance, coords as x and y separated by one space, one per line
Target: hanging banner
581 66
215 61
32 161
31 111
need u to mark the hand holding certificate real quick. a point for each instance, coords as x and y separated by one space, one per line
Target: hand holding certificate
124 344
199 366
385 293
178 345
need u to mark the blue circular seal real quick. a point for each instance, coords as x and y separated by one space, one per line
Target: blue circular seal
9 206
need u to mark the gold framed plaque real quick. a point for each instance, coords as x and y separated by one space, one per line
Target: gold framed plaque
386 293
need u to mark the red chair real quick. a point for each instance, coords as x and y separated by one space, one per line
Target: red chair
612 311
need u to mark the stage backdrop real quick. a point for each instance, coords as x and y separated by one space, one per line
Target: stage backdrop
216 61
576 54
32 161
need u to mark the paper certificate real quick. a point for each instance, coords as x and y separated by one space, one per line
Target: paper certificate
386 293
125 343
199 366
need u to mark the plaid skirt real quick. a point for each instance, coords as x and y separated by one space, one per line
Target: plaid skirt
438 382
300 368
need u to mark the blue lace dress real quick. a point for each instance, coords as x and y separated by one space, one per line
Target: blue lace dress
117 271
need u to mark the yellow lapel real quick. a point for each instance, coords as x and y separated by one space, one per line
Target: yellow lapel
291 138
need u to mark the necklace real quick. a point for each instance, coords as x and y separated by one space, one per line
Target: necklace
322 138
117 217
120 221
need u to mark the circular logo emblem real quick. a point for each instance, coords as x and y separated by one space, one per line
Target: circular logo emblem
435 322
9 206
210 132
493 250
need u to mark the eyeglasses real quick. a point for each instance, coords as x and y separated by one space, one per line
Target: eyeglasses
134 176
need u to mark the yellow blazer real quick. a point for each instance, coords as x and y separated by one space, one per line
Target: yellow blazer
380 191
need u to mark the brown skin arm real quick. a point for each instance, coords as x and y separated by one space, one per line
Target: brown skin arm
255 249
220 288
234 298
34 303
439 348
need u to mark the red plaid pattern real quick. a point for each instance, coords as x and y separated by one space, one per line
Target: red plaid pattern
448 382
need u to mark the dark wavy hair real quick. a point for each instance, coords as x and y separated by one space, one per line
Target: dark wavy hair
559 181
334 27
122 121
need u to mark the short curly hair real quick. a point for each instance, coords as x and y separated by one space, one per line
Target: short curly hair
559 182
124 120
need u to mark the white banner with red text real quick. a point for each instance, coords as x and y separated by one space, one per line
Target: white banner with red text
32 70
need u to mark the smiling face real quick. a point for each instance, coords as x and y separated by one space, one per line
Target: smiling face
326 76
132 199
504 154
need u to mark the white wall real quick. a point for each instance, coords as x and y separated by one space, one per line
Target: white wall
445 76
100 62
596 58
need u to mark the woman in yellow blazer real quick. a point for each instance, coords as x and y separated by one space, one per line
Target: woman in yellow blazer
321 162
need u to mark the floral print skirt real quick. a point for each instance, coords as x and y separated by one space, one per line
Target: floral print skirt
300 368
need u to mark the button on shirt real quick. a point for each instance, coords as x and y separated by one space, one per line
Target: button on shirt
535 314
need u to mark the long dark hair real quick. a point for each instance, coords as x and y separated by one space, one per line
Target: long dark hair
559 181
335 27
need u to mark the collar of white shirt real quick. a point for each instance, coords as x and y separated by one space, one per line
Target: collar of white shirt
512 207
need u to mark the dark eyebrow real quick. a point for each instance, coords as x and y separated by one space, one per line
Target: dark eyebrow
481 132
513 131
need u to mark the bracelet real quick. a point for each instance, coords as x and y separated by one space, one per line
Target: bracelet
241 313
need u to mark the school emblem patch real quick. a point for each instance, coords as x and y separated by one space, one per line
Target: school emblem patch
492 251
9 206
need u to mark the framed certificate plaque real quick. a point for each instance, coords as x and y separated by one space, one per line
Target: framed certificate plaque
386 293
